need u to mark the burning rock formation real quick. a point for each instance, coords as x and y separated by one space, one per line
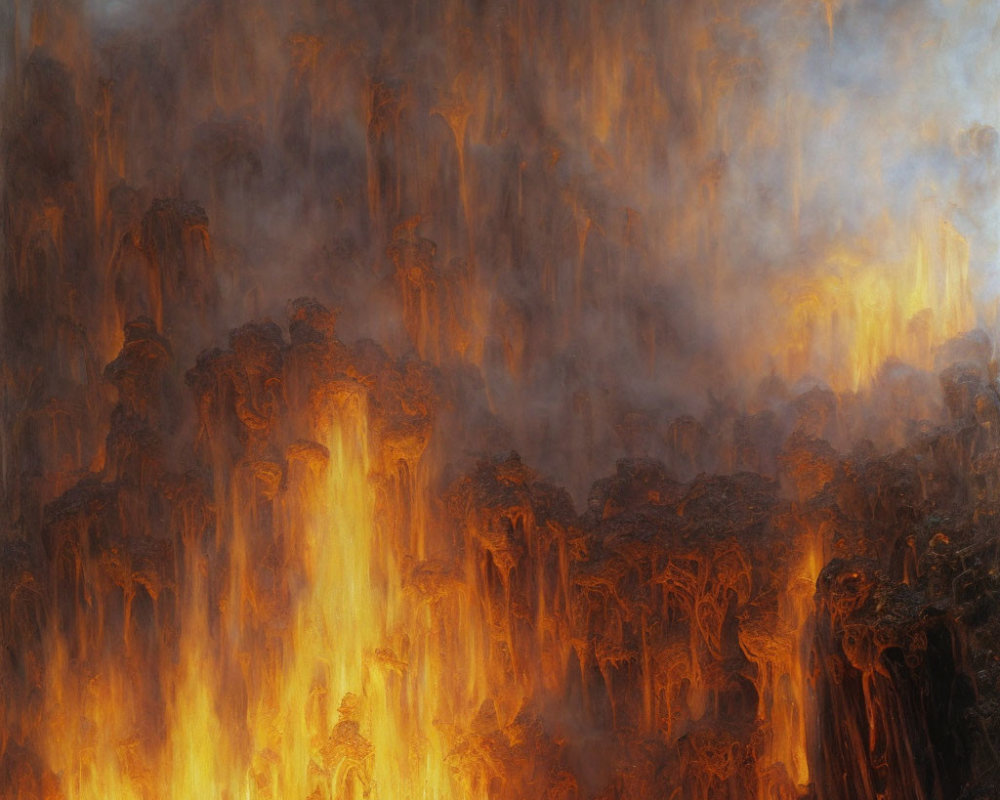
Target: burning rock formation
667 626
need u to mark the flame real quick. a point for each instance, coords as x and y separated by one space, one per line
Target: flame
299 621
344 693
792 714
855 313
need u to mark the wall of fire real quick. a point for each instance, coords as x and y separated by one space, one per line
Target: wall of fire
706 265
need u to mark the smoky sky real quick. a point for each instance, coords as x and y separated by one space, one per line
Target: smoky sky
620 185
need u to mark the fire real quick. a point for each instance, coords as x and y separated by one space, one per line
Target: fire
318 558
308 671
856 313
794 703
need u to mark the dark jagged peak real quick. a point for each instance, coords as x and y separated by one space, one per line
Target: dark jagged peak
310 322
637 482
727 504
973 349
139 369
258 347
808 464
166 221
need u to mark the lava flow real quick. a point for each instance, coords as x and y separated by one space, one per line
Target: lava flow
489 400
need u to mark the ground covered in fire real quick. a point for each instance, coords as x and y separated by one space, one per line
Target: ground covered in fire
665 642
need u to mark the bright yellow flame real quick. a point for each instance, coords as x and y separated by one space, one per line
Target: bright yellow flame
857 312
790 730
778 646
89 728
329 681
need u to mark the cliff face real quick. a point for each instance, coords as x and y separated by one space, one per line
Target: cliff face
823 632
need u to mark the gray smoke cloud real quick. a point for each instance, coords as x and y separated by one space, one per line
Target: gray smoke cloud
622 199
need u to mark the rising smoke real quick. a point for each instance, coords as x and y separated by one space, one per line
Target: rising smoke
625 202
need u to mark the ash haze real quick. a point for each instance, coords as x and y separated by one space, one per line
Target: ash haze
645 204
